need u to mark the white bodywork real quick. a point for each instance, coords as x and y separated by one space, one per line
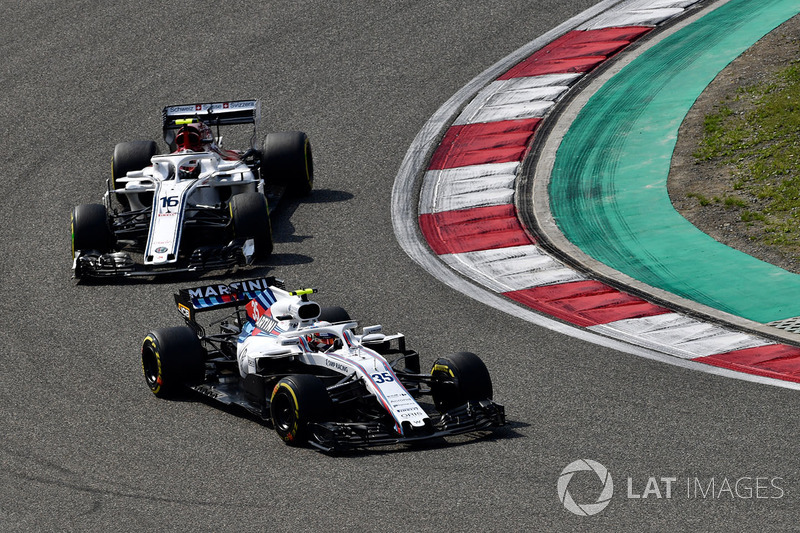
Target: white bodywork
280 333
174 191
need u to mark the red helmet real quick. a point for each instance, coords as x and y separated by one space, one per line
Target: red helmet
193 136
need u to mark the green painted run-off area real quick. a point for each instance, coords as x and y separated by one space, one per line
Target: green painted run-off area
608 189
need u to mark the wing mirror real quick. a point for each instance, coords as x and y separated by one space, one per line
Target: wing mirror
372 335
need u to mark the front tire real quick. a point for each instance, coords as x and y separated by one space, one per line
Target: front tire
333 315
297 401
128 156
90 229
172 359
250 220
459 378
286 160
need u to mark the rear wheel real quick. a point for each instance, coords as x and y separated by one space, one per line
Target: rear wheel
286 160
296 402
172 359
90 228
459 378
128 156
334 315
250 220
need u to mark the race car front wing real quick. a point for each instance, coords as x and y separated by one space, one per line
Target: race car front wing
471 417
93 264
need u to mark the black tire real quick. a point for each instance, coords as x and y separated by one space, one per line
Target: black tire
132 155
250 220
172 359
297 401
286 160
459 378
90 228
334 315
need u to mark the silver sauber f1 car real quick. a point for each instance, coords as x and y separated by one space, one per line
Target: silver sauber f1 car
310 373
198 207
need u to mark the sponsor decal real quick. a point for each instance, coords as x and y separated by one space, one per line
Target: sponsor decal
337 366
178 109
161 250
194 108
266 323
249 285
222 289
185 311
407 400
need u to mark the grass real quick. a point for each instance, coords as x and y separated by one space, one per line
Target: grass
733 201
728 201
700 198
758 135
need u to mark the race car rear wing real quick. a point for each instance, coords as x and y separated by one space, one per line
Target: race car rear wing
212 113
219 296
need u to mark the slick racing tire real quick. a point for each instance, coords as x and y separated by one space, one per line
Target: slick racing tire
132 155
286 160
459 378
250 220
90 229
297 401
172 359
333 315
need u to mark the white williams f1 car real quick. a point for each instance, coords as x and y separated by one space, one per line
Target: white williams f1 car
198 207
308 372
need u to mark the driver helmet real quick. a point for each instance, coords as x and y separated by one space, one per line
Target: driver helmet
321 341
193 137
190 171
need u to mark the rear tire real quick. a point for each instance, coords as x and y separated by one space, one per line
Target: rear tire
128 156
286 160
172 359
459 378
296 402
90 229
334 315
250 220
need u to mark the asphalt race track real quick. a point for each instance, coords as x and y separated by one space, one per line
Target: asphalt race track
87 447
